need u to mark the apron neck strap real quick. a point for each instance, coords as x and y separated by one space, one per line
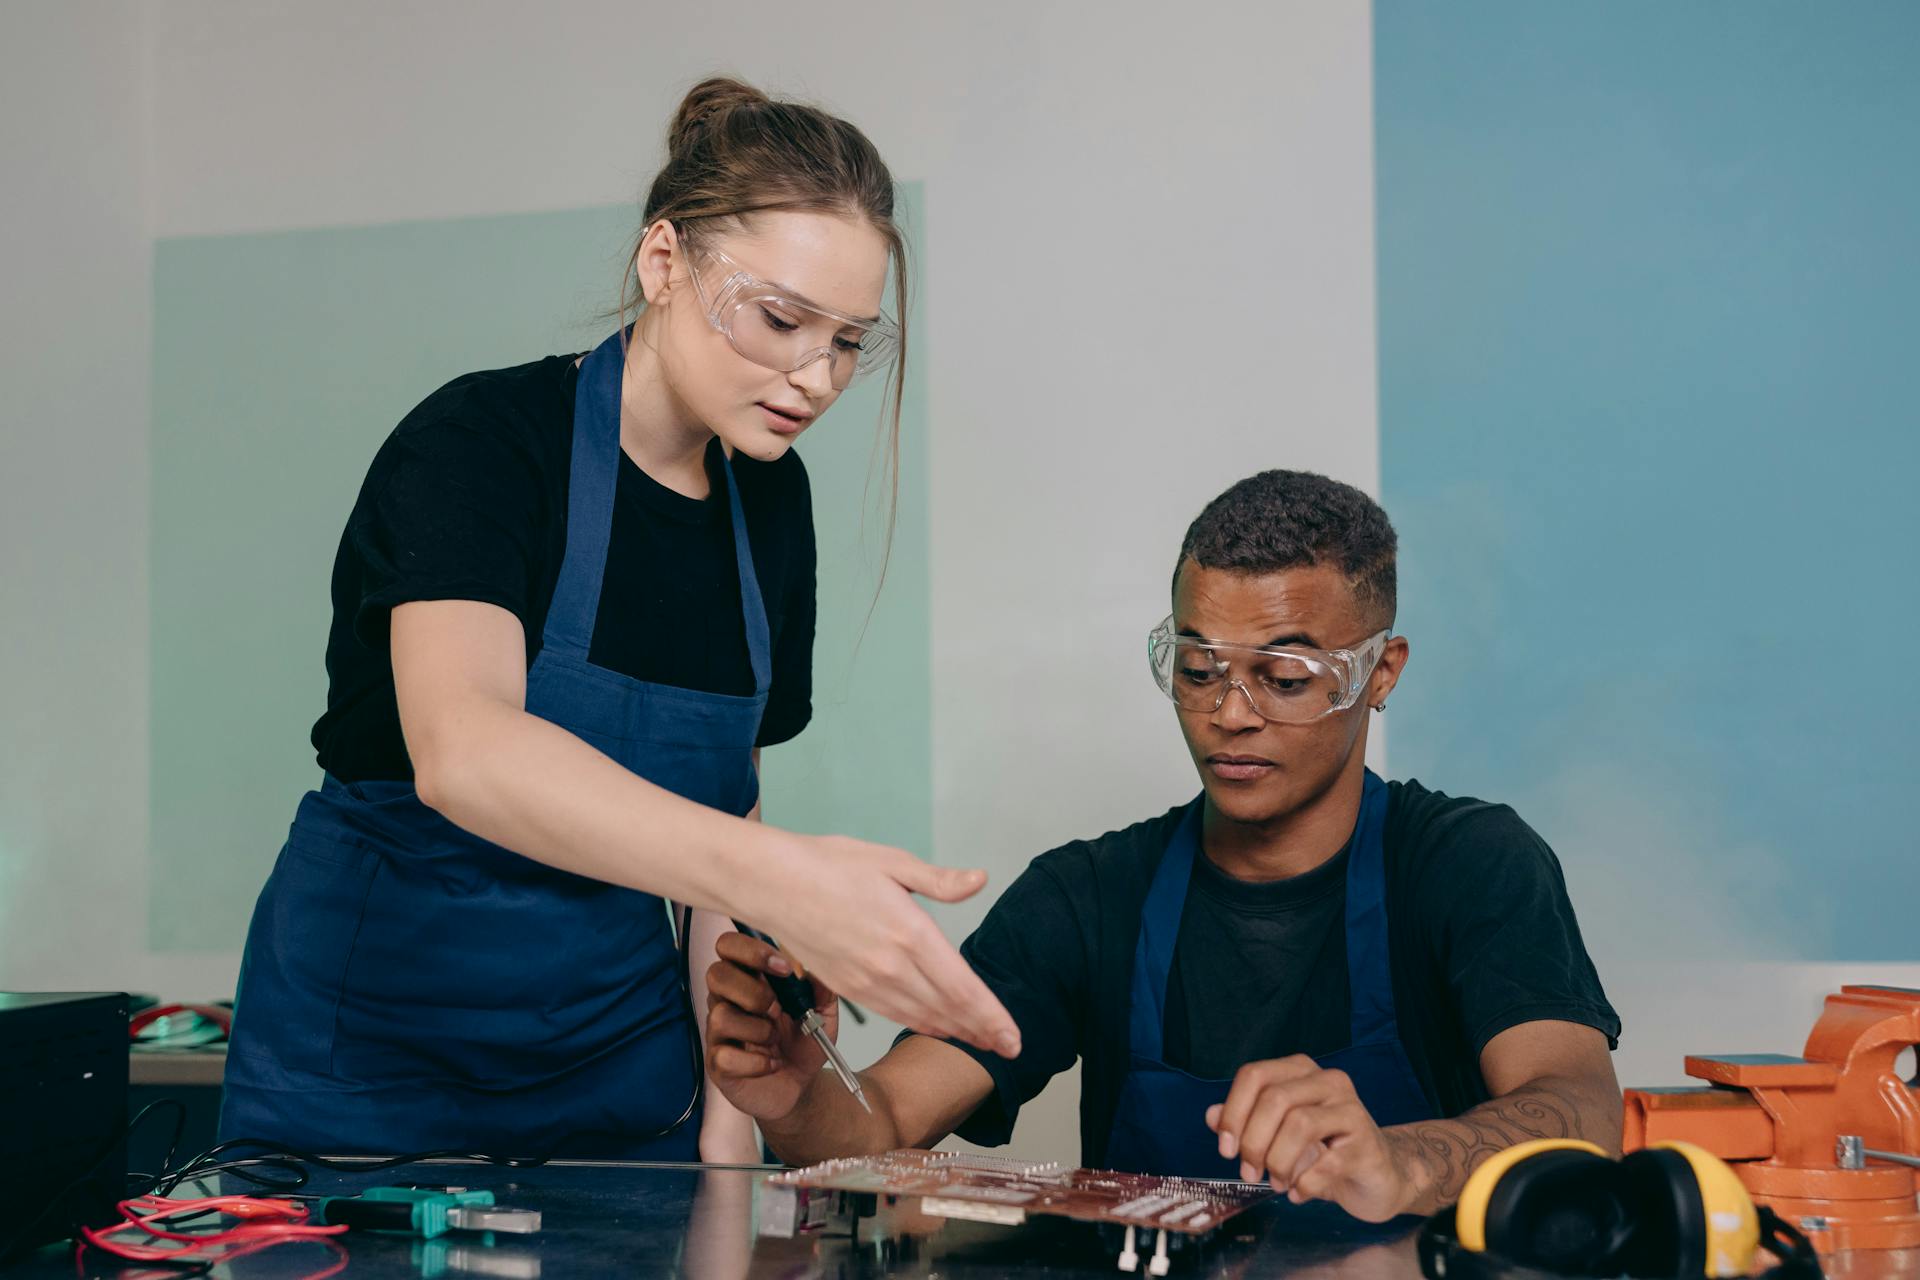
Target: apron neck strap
1369 975
1369 971
592 479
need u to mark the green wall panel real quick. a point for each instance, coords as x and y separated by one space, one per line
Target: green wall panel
281 361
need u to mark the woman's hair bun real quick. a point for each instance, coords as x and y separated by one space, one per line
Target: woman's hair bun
705 105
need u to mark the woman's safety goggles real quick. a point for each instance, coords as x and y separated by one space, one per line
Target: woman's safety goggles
780 330
1290 684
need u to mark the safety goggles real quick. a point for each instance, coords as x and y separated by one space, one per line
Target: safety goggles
1291 684
780 330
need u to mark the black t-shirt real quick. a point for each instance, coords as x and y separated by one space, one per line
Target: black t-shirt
1481 934
467 500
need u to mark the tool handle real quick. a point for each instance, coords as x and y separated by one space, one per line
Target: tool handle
795 994
397 1216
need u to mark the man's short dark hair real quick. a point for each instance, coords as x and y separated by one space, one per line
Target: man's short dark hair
1292 519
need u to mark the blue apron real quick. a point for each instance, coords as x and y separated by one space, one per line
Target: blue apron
409 986
1160 1125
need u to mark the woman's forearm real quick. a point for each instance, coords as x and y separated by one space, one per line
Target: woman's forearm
532 787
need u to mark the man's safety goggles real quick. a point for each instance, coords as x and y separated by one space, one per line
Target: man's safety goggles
1290 684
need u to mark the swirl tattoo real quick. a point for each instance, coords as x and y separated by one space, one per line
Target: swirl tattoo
1446 1152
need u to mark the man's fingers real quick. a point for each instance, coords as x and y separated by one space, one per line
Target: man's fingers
1306 1127
1320 1177
1263 1125
740 1064
1248 1084
726 1022
751 953
730 984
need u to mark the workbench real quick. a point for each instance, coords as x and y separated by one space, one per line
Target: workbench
644 1220
698 1221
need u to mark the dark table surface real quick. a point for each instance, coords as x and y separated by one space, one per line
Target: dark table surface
700 1221
695 1221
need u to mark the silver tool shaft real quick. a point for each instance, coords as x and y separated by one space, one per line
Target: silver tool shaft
814 1025
1850 1152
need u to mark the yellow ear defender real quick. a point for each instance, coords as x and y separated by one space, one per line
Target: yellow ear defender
1560 1206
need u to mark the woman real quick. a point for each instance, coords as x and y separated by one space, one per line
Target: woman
572 601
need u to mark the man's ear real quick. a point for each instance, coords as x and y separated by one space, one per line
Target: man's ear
1386 672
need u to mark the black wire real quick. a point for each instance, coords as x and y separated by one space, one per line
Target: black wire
1798 1259
92 1169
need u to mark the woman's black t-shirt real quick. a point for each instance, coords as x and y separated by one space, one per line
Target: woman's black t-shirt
467 500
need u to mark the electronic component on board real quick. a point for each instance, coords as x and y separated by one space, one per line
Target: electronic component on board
1000 1189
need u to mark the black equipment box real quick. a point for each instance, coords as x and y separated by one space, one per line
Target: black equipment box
63 1114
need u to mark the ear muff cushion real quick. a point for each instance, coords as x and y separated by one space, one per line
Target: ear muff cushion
1732 1234
1559 1211
1662 1193
1470 1215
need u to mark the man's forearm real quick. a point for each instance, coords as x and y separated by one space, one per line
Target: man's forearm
828 1123
1439 1155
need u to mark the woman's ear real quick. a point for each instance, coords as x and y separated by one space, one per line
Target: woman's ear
659 249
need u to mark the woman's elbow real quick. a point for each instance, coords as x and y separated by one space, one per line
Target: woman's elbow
436 777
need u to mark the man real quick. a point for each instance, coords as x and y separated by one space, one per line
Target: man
1355 989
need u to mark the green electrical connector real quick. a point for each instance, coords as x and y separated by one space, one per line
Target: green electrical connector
422 1212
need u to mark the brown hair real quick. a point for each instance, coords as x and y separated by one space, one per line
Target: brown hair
732 152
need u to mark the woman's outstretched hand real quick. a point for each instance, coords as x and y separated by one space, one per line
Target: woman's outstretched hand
844 909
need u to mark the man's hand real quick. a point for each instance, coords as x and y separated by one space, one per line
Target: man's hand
1303 1127
757 1056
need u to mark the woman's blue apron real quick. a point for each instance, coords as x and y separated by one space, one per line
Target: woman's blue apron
409 986
1160 1126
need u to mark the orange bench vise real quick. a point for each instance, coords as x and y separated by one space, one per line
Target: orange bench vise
1829 1140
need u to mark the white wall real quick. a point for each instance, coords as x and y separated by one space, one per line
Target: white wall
75 256
1141 233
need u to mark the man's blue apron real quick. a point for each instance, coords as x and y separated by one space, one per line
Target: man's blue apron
409 986
1160 1125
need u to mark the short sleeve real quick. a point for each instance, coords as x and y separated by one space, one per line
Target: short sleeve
790 699
1501 922
1031 951
453 512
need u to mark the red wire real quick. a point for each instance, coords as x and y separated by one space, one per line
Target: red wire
146 1214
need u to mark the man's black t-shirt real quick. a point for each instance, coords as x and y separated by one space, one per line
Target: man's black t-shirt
1481 933
467 500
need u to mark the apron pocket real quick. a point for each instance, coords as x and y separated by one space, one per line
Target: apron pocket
297 951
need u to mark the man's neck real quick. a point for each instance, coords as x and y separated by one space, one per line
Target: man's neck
1290 844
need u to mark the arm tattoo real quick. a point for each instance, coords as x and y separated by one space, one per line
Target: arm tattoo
1443 1153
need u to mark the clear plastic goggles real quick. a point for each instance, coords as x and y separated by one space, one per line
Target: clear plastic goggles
1292 684
780 330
